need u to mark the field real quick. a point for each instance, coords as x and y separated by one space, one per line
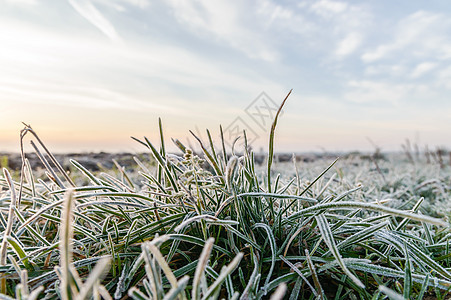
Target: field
216 224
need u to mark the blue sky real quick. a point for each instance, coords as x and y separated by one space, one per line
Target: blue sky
89 74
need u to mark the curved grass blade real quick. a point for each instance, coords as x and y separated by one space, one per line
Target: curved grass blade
360 236
272 244
330 241
295 269
85 171
9 227
197 241
368 206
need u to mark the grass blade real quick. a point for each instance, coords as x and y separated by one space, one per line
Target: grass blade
294 268
271 142
279 292
408 275
9 227
272 243
96 275
330 241
222 277
201 266
368 206
180 288
320 293
65 247
390 293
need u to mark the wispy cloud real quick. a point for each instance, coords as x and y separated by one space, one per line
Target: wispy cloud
224 21
376 92
197 62
329 9
98 74
346 23
386 70
86 9
260 30
137 3
348 45
420 35
423 68
124 5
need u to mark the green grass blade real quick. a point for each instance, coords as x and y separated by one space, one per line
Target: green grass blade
18 249
222 277
271 142
367 206
272 243
408 275
367 233
295 269
210 158
327 235
7 231
85 171
424 287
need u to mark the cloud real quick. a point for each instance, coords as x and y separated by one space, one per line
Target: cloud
86 9
223 21
423 68
341 24
137 3
20 2
81 71
329 9
420 35
386 70
266 30
282 21
348 45
376 92
444 78
124 5
198 61
32 90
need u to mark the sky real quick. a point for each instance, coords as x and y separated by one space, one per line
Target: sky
88 74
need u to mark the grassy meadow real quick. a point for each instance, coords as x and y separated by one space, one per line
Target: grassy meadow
217 225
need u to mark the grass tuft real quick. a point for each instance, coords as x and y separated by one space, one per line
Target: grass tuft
213 225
